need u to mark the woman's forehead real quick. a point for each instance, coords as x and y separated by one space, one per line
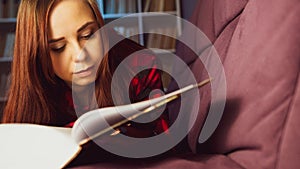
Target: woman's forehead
69 15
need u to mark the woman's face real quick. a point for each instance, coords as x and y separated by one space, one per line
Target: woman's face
75 50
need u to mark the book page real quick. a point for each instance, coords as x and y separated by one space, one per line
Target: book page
35 146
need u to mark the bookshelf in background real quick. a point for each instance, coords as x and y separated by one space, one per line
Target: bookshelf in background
162 45
114 9
8 12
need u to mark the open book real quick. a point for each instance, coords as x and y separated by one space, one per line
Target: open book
38 146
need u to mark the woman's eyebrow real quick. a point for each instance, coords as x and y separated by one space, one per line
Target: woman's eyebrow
80 29
85 25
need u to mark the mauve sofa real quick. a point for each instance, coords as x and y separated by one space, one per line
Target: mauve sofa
258 42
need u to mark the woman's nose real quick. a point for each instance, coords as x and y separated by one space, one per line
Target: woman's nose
79 53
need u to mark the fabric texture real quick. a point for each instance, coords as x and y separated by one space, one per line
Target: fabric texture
259 47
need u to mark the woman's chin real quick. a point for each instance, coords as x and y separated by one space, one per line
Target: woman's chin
83 83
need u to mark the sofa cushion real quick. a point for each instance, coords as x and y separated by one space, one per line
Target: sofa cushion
259 48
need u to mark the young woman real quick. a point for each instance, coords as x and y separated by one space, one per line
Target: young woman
50 61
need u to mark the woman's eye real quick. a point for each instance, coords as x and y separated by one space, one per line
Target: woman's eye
87 36
58 49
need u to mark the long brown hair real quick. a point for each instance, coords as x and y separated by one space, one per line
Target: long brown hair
35 94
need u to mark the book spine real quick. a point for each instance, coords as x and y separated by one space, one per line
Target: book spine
169 41
131 6
121 6
1 8
110 6
2 44
155 39
3 79
7 84
16 7
170 5
5 8
157 5
161 5
4 84
11 8
9 45
147 4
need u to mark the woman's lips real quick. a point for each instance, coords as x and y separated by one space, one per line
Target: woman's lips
85 72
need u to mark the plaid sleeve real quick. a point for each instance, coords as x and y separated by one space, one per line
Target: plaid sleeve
148 83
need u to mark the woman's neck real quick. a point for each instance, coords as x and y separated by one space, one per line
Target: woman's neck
82 96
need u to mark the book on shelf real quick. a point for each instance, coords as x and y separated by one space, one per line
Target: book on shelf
9 45
131 6
147 4
4 8
170 5
159 5
2 44
9 8
1 8
4 84
6 44
121 6
116 6
17 3
40 146
7 84
151 40
162 41
110 6
168 42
